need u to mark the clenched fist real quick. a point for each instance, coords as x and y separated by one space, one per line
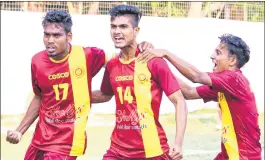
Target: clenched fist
13 136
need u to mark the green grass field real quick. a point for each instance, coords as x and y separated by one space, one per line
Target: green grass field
202 140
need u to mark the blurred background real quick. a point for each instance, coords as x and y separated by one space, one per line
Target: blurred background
243 11
188 29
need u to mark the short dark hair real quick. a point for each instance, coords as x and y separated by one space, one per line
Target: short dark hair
236 46
121 10
59 16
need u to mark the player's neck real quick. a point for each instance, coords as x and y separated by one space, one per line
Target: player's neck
128 53
232 68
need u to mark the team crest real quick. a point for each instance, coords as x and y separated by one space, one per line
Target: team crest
79 72
142 77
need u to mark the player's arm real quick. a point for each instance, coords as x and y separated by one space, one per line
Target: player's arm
30 116
99 97
169 84
186 69
105 93
32 112
181 120
188 91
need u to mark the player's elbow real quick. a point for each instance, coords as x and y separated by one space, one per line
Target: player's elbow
196 78
186 94
107 98
178 99
180 104
100 97
202 78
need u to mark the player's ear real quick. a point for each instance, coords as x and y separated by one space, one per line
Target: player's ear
69 37
232 60
136 30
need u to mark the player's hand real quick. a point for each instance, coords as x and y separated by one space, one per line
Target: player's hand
149 54
13 136
145 45
176 152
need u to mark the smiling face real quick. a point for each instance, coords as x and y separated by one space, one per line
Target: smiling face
56 39
122 32
221 59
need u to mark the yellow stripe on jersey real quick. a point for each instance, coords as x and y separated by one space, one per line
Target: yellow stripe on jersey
142 89
229 138
78 72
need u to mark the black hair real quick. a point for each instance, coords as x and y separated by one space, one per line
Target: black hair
236 46
121 10
60 17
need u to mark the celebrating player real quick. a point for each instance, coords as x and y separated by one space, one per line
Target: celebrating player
61 80
138 88
228 86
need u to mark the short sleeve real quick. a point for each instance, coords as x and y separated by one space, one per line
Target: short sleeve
207 93
225 82
163 76
98 60
35 86
106 85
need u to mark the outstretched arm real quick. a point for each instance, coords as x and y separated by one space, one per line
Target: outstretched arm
99 97
186 69
31 115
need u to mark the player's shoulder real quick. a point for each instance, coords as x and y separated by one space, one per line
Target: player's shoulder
231 74
38 56
158 62
235 77
93 50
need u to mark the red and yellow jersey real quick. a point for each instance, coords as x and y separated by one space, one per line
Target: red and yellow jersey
240 129
138 90
65 88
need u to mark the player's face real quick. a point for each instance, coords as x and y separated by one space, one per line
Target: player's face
55 39
220 58
122 32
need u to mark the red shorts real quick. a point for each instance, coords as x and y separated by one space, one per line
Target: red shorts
114 156
36 154
222 156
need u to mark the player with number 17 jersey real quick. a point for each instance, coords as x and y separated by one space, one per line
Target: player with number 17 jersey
65 88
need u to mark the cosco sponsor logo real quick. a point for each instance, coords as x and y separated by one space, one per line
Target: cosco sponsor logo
124 78
58 76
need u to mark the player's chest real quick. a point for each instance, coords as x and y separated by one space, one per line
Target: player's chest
128 78
53 75
128 75
122 76
62 74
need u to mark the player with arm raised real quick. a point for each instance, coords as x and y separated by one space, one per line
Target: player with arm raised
227 85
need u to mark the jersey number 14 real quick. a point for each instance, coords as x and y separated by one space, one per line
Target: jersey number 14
126 96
